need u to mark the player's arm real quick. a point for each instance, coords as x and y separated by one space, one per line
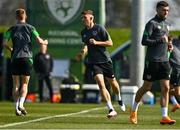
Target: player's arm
101 43
147 40
82 53
38 38
6 38
105 38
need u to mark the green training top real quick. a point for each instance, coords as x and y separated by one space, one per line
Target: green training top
21 35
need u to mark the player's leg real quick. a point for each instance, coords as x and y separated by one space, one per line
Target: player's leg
164 102
116 89
15 93
173 95
177 93
26 67
176 84
16 84
164 77
105 94
174 89
23 92
108 72
141 91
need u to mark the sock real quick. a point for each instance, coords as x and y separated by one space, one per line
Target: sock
135 106
119 96
21 102
109 105
173 100
16 104
164 111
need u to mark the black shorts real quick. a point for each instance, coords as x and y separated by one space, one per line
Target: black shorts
175 78
156 71
22 66
104 68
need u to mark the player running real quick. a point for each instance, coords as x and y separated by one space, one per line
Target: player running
96 39
21 57
157 65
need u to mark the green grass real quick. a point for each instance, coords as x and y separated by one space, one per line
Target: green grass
148 118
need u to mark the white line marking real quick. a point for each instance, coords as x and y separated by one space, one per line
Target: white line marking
50 117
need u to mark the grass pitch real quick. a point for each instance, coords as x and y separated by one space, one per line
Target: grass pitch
80 116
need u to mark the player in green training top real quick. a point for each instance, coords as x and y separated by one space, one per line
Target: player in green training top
157 66
21 59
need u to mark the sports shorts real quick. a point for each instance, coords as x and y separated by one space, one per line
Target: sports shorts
156 71
175 78
103 68
22 66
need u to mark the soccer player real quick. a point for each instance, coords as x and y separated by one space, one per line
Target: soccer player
175 74
96 39
157 66
21 57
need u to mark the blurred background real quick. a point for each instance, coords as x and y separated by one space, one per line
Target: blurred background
59 21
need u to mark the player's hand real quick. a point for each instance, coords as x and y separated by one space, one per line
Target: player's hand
166 38
46 42
92 41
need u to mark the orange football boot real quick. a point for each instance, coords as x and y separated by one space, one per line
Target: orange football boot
133 117
167 120
175 107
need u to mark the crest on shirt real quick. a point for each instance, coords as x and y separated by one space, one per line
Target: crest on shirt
64 11
94 33
159 27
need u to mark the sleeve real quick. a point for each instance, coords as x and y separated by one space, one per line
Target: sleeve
104 34
7 35
34 32
147 40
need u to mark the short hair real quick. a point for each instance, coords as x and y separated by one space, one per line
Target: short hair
20 13
87 12
162 3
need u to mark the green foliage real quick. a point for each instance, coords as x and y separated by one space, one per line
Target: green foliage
175 33
118 36
3 28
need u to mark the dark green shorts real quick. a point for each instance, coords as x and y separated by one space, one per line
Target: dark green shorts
156 71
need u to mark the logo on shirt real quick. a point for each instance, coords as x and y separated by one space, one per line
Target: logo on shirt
159 27
64 11
94 33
